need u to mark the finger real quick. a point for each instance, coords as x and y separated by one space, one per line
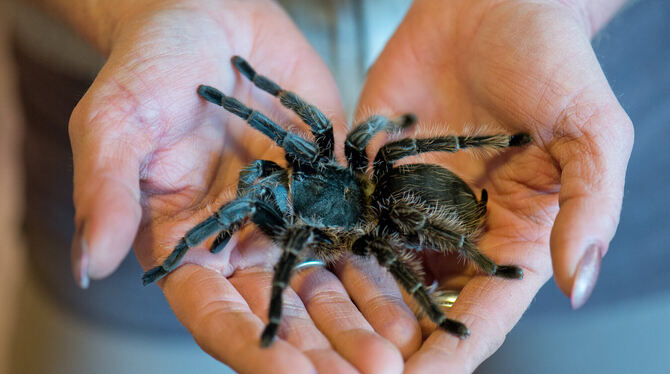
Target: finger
592 150
341 322
223 325
378 297
106 195
296 326
300 72
490 307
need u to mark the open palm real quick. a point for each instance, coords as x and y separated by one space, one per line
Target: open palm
153 158
512 66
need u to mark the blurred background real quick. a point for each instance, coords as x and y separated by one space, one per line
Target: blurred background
48 325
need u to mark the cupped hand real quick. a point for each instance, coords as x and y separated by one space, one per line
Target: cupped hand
512 66
152 159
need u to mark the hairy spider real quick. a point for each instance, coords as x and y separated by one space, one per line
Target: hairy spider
321 209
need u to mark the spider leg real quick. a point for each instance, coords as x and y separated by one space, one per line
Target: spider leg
443 233
230 216
296 240
394 151
380 247
322 129
359 137
470 250
223 238
298 148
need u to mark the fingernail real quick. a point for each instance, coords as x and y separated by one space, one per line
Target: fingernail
79 255
586 276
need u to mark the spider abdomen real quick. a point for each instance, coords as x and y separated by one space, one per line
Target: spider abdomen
435 192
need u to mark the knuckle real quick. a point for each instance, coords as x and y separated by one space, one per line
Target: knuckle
588 114
594 133
577 118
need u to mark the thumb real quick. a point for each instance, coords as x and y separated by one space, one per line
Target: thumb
106 196
592 151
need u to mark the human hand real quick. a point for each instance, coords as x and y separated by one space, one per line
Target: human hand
516 66
152 159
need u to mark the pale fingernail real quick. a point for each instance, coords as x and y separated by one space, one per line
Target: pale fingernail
79 256
586 276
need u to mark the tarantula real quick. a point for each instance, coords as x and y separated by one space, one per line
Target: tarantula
321 209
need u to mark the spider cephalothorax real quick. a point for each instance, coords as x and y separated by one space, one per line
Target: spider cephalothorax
319 208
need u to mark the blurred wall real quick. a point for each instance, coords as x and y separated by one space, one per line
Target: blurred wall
11 254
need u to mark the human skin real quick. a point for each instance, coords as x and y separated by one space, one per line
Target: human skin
516 66
151 158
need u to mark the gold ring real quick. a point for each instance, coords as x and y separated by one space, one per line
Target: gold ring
445 298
